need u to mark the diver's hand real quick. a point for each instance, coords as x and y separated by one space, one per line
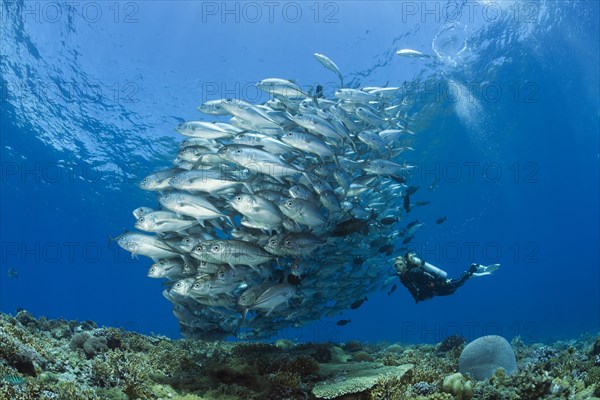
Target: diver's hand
483 270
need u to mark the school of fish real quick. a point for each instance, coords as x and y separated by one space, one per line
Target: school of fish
285 213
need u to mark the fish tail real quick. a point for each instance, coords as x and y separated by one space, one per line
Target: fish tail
109 240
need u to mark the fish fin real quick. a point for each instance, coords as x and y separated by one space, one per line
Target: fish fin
248 186
270 311
230 220
337 162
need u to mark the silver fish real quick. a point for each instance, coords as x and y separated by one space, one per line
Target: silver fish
137 243
302 211
138 212
201 129
308 143
281 87
257 208
191 205
159 180
257 160
204 181
411 53
163 221
330 65
232 252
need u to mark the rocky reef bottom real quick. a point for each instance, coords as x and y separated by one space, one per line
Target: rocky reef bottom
46 359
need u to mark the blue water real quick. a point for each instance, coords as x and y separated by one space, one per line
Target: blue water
507 119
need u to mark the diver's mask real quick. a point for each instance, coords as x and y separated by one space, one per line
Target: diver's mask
400 265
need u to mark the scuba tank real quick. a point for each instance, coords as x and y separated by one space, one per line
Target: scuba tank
433 270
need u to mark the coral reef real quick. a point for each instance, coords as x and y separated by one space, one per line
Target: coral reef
46 359
354 377
451 343
458 386
484 355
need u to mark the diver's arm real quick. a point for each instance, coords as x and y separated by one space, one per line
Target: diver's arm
483 270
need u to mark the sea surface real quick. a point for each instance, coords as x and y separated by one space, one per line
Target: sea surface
506 147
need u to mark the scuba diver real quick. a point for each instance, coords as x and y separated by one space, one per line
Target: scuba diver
425 281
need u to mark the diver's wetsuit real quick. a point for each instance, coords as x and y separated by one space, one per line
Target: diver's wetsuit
422 285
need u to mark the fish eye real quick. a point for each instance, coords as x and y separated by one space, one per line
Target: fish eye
203 263
239 151
142 219
243 297
178 285
239 198
289 204
152 269
290 134
145 180
221 274
272 242
198 248
288 242
196 286
186 240
216 247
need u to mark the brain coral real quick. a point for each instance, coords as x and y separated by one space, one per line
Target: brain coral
484 355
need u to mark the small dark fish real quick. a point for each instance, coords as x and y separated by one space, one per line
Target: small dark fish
351 226
389 251
358 261
343 322
411 224
13 273
393 289
13 380
422 203
412 190
319 92
385 248
441 220
358 303
408 239
407 202
389 220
